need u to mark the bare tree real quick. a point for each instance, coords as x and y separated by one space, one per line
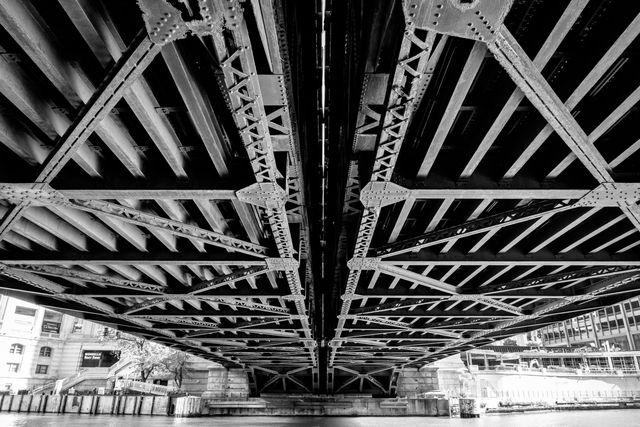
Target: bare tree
147 356
176 364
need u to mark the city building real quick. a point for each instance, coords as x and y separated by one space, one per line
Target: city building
39 346
616 327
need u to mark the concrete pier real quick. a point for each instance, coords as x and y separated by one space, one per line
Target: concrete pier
88 404
188 406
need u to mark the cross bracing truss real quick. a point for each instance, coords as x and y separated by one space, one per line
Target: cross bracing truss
177 170
497 212
92 122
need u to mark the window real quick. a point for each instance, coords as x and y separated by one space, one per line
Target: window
25 311
42 369
16 349
51 322
77 326
13 367
45 351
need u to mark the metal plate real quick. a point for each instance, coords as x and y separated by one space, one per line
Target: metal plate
272 88
471 19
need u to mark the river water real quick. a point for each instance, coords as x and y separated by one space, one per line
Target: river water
615 418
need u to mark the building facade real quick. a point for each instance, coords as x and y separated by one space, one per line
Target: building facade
616 327
39 346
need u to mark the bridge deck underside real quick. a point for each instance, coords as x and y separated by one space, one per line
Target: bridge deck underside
152 173
161 166
468 211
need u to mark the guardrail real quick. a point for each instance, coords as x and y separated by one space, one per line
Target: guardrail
118 366
139 386
68 382
557 370
43 387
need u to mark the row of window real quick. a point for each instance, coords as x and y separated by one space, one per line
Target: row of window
19 349
51 322
15 367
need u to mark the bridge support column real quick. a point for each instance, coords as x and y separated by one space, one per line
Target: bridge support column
413 381
188 406
227 383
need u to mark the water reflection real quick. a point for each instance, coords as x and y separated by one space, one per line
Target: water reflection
619 418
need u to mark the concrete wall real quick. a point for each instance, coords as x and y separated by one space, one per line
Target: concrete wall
412 382
227 383
518 387
88 404
328 406
188 406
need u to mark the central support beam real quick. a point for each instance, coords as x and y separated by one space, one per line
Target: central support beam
408 77
240 84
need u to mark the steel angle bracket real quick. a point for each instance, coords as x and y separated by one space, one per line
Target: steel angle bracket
377 194
282 264
471 19
611 194
364 263
264 194
36 194
165 20
351 297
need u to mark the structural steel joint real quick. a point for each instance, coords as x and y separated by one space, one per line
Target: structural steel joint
165 23
264 194
377 194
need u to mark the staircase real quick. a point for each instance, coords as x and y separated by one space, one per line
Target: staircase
44 387
65 384
118 367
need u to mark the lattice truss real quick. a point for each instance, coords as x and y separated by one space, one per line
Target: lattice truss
153 181
503 195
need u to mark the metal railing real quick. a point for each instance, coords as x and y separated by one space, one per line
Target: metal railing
141 387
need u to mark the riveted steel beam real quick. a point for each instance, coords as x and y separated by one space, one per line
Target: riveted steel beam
590 293
121 76
439 191
552 279
149 194
43 194
438 285
124 258
405 87
524 73
483 21
241 84
229 279
74 274
390 307
544 55
473 227
232 302
606 194
267 195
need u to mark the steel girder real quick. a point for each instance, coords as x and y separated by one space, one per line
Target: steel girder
441 256
240 83
401 297
406 82
236 287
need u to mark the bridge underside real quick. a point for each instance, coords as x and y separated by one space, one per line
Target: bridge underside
319 208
